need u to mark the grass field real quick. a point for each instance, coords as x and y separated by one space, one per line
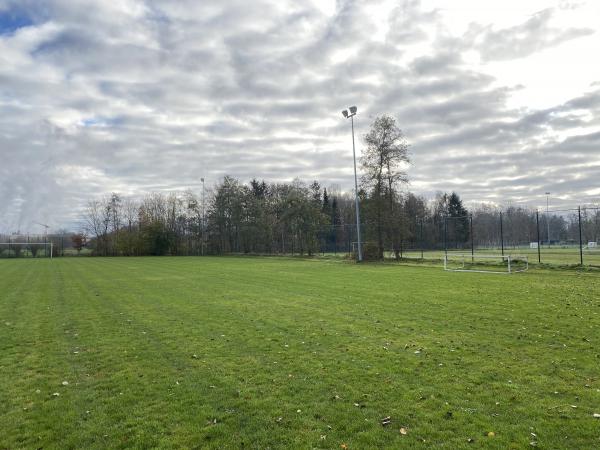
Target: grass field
284 353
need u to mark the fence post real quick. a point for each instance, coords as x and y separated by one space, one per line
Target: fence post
501 235
580 240
472 240
421 228
445 241
537 223
350 237
334 240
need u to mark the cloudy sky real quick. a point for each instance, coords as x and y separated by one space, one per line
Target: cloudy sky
500 100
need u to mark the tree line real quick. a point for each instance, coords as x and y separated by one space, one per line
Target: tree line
306 218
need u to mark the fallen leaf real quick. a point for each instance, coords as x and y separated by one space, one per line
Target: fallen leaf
403 431
65 383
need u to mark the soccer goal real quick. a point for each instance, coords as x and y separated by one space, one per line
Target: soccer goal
461 262
26 249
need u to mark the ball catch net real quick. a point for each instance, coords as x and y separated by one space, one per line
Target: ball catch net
463 262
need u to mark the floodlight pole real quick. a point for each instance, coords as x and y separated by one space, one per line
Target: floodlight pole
548 218
351 116
360 256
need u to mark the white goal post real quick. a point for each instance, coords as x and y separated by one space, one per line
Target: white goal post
461 262
19 247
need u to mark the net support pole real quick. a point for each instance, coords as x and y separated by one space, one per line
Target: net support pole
501 235
580 238
537 223
508 263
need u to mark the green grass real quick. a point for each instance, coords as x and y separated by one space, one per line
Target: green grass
294 354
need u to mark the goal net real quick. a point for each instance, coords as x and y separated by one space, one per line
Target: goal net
26 249
462 262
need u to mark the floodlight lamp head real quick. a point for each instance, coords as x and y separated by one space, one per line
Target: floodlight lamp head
345 113
353 110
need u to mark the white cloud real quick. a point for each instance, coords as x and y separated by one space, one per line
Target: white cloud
139 95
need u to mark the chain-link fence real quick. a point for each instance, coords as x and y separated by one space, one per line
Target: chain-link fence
567 236
554 236
562 237
39 246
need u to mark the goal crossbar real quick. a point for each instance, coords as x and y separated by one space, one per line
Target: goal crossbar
508 259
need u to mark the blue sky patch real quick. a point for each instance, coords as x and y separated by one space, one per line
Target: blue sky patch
102 121
12 20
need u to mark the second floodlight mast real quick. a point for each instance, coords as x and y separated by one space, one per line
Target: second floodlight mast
351 117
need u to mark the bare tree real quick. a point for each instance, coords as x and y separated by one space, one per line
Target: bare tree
383 161
96 222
